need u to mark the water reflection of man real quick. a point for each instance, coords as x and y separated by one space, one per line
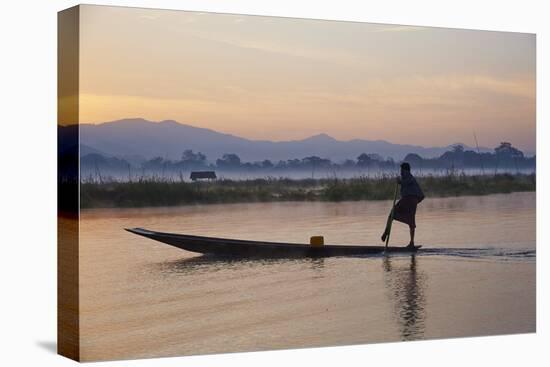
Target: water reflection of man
405 209
406 285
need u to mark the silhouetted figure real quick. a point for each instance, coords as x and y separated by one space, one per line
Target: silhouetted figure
405 209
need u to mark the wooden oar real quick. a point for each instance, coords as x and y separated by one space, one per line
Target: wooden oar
390 217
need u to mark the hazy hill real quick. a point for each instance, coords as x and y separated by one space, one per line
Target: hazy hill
168 139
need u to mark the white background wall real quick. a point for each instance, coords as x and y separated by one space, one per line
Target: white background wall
28 181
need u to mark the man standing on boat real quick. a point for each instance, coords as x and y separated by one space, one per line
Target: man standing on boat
405 209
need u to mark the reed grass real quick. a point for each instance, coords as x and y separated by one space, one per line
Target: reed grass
168 192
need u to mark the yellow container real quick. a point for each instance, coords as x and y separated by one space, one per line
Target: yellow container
317 241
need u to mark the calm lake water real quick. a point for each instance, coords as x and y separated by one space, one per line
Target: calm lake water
141 298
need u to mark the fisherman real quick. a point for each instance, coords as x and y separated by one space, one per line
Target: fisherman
405 209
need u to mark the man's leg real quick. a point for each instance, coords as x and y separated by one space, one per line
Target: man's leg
411 230
385 234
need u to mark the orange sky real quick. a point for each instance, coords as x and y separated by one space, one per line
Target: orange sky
280 78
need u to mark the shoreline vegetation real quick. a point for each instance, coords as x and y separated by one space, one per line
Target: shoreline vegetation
504 158
151 192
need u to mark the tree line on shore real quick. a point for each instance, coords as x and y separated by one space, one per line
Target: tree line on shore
503 156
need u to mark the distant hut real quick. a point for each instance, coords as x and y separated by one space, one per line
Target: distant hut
202 175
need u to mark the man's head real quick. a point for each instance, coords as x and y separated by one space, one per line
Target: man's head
405 167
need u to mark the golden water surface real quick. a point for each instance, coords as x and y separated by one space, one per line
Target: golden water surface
141 298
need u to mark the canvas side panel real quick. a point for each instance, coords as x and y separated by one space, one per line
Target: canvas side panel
68 343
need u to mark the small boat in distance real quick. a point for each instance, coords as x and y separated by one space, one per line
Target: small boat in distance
261 249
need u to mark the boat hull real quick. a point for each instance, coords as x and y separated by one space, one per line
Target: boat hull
260 249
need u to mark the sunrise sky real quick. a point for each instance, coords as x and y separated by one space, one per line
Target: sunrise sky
281 78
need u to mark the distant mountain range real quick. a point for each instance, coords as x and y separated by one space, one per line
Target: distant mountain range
135 139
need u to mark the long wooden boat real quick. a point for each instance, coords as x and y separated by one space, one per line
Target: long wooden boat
260 249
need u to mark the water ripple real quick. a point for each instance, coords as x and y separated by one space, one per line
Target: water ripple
483 253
